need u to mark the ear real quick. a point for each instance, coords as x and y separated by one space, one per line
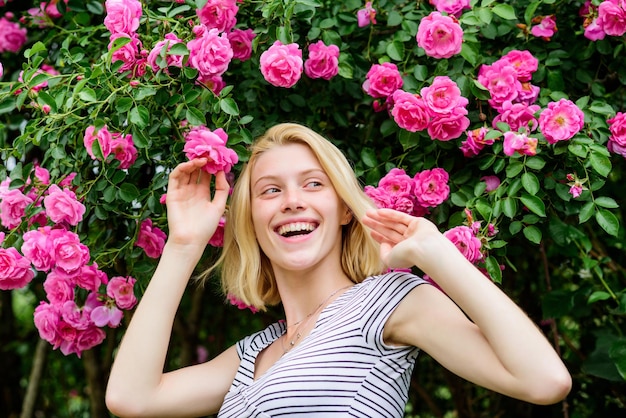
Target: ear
347 216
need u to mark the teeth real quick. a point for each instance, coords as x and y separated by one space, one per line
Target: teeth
296 227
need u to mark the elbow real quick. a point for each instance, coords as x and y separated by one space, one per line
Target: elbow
552 389
120 405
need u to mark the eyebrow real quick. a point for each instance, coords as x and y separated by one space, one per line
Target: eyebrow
302 174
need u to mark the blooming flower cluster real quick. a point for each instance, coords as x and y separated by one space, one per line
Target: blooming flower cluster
41 16
76 308
439 108
545 27
122 20
151 239
451 7
413 195
607 18
201 142
119 145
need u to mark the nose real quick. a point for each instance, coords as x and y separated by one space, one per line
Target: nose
292 200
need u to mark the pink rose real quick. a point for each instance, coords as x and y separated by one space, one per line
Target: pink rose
546 27
612 18
151 239
69 253
13 205
75 316
156 62
431 187
37 247
42 175
47 318
201 142
466 242
12 36
121 289
90 277
524 62
527 94
62 206
576 190
219 14
124 150
449 126
561 120
107 316
217 240
281 65
518 115
521 143
382 80
492 183
593 30
501 80
122 16
617 127
210 53
616 148
241 43
451 7
84 340
443 96
409 111
215 83
323 61
103 136
15 270
475 142
366 16
59 288
440 36
129 54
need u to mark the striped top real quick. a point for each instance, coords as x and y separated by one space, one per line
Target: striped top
341 369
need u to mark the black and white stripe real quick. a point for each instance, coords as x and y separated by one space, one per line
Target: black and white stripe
342 368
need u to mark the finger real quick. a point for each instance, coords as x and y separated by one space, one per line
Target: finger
392 229
222 189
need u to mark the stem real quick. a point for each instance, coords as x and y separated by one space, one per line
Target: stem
39 360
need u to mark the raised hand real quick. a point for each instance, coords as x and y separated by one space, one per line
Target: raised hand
193 215
403 238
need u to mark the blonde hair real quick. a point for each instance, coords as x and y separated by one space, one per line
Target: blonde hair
246 272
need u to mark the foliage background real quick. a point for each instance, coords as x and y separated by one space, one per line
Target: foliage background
564 258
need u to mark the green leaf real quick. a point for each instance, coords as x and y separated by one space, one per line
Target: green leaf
530 183
123 104
395 50
606 202
536 163
470 52
195 117
586 212
229 106
493 268
505 11
598 295
509 207
600 163
617 353
368 156
514 168
530 12
394 18
88 95
7 105
607 221
140 116
128 192
532 234
534 204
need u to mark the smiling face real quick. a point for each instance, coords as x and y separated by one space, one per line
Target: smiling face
296 213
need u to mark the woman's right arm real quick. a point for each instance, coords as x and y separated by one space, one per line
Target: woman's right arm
137 385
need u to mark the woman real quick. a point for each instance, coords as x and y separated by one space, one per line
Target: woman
301 232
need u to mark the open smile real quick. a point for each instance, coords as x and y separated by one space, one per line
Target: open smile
296 228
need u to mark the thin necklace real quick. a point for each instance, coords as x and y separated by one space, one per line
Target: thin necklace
301 324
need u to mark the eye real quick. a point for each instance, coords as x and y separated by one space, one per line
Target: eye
314 184
270 190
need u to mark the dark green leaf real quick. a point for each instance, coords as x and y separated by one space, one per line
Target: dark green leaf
128 192
534 204
607 221
229 106
140 116
493 268
532 234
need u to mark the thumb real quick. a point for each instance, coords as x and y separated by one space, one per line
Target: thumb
221 189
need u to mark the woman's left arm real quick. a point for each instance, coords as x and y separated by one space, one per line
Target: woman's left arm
500 348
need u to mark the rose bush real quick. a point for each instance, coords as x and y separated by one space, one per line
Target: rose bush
503 122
